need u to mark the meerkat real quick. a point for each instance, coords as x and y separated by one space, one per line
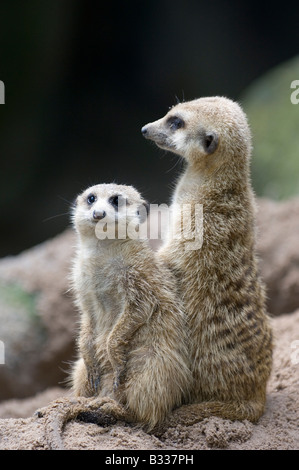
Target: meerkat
133 334
230 346
131 321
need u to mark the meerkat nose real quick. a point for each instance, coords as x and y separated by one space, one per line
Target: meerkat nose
98 215
144 130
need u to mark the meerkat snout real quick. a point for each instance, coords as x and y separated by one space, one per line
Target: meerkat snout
98 215
144 131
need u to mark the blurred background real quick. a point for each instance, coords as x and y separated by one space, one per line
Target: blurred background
81 79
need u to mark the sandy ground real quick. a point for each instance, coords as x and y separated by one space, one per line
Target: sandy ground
277 429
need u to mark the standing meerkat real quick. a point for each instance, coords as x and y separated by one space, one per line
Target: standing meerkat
132 341
230 346
132 335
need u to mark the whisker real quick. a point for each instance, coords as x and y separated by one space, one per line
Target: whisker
55 216
65 200
178 161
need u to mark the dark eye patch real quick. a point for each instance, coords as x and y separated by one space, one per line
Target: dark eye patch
117 200
175 122
91 198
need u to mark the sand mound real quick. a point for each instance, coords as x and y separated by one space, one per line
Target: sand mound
277 429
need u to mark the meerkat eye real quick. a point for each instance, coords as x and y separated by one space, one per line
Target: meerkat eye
91 199
114 201
175 123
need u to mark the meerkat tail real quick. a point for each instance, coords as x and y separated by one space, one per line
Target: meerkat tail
100 411
55 416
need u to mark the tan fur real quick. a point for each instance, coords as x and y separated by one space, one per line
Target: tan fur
133 334
230 347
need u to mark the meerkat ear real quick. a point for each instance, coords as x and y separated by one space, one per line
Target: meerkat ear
210 142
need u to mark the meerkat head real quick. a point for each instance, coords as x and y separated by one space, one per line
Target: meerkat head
205 130
111 205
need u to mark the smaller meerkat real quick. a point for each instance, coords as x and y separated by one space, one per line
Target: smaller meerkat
131 321
133 363
230 345
133 337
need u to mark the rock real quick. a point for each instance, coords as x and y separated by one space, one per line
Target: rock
26 407
278 248
37 317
